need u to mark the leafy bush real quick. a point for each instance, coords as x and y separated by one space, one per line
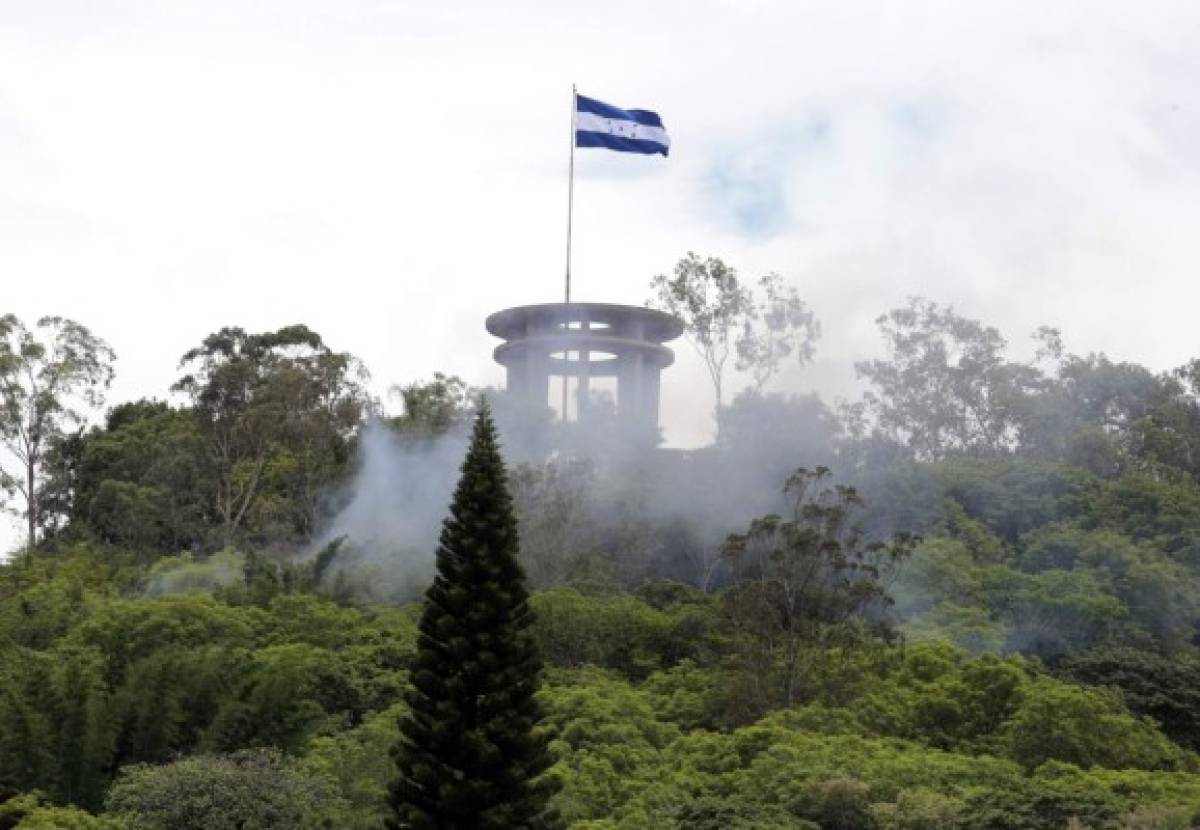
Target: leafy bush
248 790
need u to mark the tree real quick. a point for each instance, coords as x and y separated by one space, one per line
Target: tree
47 382
1164 688
806 584
778 326
256 788
554 508
946 386
288 692
76 697
719 313
434 408
1164 436
1085 727
277 411
26 753
471 754
143 481
30 812
710 300
1110 417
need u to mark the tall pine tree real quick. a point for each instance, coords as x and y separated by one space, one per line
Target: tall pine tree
471 756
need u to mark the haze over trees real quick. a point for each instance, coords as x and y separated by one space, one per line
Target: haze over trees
969 600
722 317
805 586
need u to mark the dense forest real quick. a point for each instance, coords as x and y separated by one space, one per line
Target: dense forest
967 600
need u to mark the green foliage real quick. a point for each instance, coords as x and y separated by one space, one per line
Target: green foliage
432 409
26 739
276 412
1013 497
127 630
946 386
76 704
1084 727
691 696
1045 675
94 682
358 762
620 632
30 812
248 790
555 524
1165 688
607 736
622 759
1158 592
142 482
805 586
937 695
926 735
918 809
287 694
1048 560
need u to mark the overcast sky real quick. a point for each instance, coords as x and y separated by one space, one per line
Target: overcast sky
389 172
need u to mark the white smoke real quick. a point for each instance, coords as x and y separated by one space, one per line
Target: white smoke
394 507
603 492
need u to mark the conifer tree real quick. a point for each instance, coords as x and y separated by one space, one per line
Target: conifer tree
471 755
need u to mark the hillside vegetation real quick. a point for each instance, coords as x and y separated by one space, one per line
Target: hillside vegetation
982 615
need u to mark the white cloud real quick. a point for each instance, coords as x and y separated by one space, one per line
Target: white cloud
390 172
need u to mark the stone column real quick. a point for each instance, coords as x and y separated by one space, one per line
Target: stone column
650 394
537 376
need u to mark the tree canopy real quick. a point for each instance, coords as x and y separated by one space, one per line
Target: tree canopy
969 602
50 377
276 411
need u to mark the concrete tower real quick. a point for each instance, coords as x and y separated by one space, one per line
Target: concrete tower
579 343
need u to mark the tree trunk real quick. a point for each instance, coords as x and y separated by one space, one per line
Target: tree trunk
717 409
30 505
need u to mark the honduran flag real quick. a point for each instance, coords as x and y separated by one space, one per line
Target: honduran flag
598 124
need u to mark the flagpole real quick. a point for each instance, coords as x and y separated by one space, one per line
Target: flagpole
570 191
570 210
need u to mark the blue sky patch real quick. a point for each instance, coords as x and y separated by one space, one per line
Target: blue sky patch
745 183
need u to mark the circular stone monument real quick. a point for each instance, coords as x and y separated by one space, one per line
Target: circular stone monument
579 342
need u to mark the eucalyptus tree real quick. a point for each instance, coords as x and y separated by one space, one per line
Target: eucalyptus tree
51 375
779 326
433 408
722 317
277 411
947 385
807 585
714 306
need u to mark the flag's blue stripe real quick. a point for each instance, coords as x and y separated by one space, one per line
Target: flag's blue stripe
585 104
586 138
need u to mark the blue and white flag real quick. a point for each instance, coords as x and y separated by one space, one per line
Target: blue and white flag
598 124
